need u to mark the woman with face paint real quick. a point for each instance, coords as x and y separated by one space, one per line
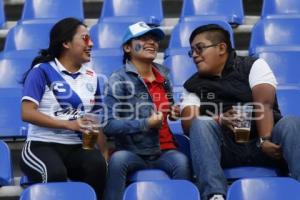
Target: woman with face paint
58 89
139 102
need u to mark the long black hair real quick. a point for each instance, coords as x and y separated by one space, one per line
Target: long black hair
63 31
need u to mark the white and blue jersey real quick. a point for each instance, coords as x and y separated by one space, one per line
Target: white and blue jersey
61 95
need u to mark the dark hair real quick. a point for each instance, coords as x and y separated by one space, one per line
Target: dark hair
63 31
126 56
216 34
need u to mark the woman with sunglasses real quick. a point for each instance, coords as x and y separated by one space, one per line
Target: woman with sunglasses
58 90
139 102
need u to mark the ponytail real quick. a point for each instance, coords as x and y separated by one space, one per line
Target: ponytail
44 56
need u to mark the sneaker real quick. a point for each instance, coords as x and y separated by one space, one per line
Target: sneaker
217 197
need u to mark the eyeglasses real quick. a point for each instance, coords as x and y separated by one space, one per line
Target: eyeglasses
86 38
198 48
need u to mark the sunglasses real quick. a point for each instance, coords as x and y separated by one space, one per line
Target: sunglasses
198 48
86 38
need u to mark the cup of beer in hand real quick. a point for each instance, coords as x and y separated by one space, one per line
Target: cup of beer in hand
91 132
243 123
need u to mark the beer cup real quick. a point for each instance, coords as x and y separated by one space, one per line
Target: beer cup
243 123
90 135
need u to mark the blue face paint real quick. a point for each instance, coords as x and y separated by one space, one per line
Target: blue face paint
137 47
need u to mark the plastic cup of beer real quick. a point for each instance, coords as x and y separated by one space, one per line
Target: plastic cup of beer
90 135
243 123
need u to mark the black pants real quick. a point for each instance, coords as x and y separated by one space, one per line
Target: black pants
53 162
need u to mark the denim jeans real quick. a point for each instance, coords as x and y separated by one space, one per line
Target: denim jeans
122 163
212 150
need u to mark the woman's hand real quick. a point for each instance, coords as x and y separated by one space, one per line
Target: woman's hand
155 120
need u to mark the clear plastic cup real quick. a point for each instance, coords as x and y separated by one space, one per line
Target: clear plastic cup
90 135
243 123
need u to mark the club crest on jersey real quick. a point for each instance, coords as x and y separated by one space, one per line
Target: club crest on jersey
89 87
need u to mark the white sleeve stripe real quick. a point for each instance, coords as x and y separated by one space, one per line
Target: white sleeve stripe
30 99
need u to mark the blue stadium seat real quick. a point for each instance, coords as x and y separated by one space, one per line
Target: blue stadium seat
105 65
276 33
139 10
2 15
28 37
182 31
284 65
6 172
275 188
181 68
148 175
61 191
175 127
162 190
233 12
288 99
108 35
12 68
249 172
35 11
280 8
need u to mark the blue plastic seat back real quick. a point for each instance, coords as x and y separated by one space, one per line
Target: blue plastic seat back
233 12
13 69
288 99
6 172
280 8
141 10
52 9
108 34
182 31
284 65
274 33
148 175
28 37
181 68
183 144
162 190
61 191
276 188
249 172
2 15
105 65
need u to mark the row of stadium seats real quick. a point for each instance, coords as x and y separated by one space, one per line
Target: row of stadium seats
155 184
266 34
119 10
244 189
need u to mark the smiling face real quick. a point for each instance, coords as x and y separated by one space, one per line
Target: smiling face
79 48
209 56
143 48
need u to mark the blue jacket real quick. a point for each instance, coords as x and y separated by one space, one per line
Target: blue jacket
128 106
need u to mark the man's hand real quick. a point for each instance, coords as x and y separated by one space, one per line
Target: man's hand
228 119
155 120
174 113
271 149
